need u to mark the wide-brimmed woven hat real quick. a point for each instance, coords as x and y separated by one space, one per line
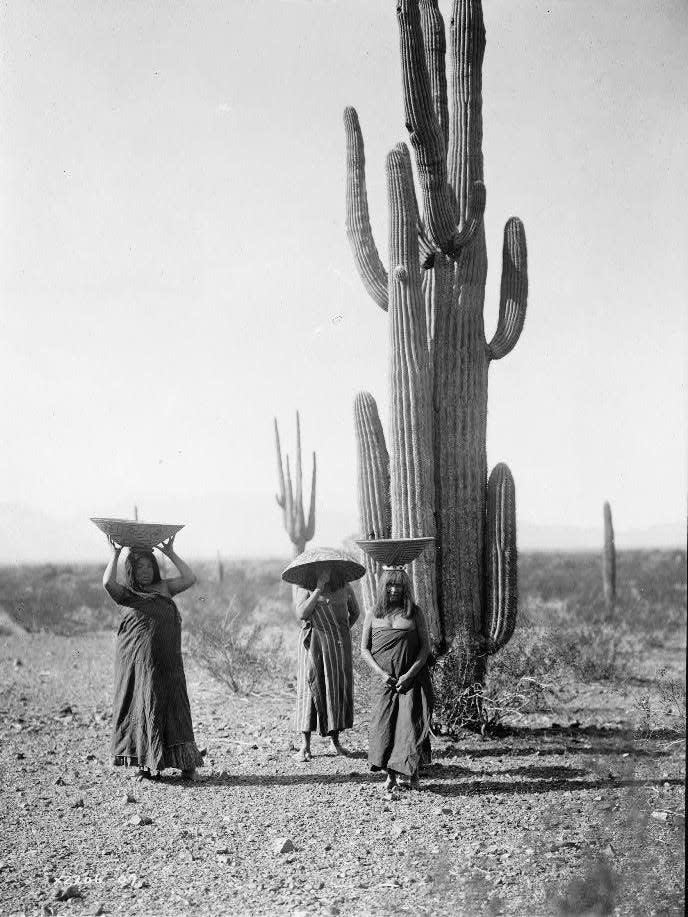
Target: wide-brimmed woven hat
394 552
132 534
305 569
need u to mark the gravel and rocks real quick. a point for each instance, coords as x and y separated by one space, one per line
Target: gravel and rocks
573 817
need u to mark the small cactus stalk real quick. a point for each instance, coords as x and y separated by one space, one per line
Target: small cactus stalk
220 568
373 485
290 497
136 513
440 355
609 559
501 568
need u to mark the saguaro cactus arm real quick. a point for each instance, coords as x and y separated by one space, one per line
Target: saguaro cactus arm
465 155
280 497
373 483
427 134
513 297
501 568
435 45
358 229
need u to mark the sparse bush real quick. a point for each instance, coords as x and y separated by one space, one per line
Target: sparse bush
664 708
238 656
225 638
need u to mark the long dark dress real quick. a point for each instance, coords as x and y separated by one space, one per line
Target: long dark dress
399 729
325 682
151 716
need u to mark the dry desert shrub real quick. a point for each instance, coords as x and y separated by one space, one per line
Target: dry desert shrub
231 640
663 708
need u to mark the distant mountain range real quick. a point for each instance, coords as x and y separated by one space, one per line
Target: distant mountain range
251 526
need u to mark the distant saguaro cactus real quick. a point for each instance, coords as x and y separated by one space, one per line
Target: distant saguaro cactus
609 559
290 498
434 293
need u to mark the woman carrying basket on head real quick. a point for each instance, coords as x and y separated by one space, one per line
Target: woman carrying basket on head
327 608
152 727
394 644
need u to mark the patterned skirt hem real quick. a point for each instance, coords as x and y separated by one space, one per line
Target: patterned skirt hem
184 757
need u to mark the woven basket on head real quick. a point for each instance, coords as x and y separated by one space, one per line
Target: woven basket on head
394 552
131 534
305 569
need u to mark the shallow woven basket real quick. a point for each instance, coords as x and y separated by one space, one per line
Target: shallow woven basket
394 552
131 534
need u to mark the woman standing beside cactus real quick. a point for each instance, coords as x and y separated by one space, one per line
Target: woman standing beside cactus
394 644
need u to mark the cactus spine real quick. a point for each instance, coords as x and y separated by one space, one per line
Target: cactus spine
290 497
609 559
434 292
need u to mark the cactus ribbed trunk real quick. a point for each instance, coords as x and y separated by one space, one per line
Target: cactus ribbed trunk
460 402
434 291
411 467
609 559
373 485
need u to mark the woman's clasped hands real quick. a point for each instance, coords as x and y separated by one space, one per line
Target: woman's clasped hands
400 684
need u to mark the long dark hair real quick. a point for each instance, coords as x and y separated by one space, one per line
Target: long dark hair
130 567
396 577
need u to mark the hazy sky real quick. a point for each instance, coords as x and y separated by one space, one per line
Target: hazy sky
175 271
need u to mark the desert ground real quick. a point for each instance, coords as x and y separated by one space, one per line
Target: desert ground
572 802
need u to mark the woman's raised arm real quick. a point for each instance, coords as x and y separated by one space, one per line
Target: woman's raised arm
187 577
304 608
114 589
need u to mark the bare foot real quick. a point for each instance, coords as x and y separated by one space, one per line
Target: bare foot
390 787
303 754
339 749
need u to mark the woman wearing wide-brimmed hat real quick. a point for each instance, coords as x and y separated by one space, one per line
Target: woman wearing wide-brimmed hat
327 608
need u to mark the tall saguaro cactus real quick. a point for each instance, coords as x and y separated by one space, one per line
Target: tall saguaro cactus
608 558
434 291
290 497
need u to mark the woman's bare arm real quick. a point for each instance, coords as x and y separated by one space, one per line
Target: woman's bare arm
114 589
187 577
367 656
352 605
305 608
